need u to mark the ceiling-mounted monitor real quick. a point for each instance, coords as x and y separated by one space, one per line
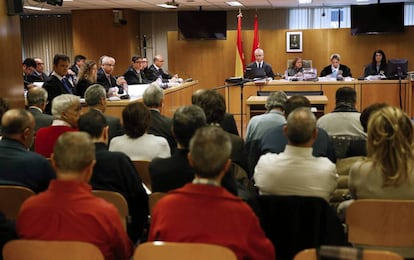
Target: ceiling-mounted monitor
202 25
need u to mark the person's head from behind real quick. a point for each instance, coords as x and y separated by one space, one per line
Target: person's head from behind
300 128
390 144
88 71
19 125
29 65
95 96
153 96
297 63
213 105
259 55
335 60
345 95
378 57
37 97
294 102
94 123
276 100
210 150
136 118
73 156
67 107
196 94
186 120
367 112
61 64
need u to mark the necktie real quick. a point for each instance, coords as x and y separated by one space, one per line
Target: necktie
67 85
139 77
108 77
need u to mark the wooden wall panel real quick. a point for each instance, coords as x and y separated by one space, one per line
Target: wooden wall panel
211 62
11 81
95 34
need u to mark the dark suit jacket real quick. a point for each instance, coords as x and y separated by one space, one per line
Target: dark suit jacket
371 69
74 69
54 88
37 77
251 72
115 127
41 120
131 77
20 166
81 87
153 74
229 124
238 151
346 71
101 79
114 171
161 126
174 172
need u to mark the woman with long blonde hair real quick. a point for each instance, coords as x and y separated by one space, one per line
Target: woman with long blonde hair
87 77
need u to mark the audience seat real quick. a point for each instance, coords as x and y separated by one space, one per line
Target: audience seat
182 251
118 201
345 253
382 224
154 198
11 198
341 144
50 250
142 168
294 223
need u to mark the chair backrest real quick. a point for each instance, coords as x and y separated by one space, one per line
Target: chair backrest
294 223
341 144
11 198
50 250
142 168
154 198
182 251
116 199
311 254
387 223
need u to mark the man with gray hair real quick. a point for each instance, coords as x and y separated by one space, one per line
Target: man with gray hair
95 98
37 100
260 124
68 210
209 155
259 68
66 111
112 85
296 171
18 165
160 125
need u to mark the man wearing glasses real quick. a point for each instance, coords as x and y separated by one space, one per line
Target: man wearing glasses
112 85
155 70
135 73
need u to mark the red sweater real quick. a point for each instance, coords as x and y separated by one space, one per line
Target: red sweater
46 138
69 211
210 214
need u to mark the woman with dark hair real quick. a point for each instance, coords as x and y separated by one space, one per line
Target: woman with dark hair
296 67
86 77
136 142
378 65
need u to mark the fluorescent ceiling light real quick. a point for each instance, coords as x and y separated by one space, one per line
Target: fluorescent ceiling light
305 1
361 1
35 8
167 6
234 3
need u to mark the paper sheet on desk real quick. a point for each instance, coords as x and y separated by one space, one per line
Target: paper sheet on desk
136 91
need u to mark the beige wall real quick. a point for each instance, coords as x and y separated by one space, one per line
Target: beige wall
11 80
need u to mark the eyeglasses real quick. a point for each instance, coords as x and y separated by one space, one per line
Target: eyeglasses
110 65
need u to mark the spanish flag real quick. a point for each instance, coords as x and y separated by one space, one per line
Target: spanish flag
239 68
256 43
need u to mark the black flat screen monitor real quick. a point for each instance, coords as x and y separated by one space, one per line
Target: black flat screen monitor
255 73
202 25
397 68
377 18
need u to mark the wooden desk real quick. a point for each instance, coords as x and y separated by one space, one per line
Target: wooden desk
256 105
173 98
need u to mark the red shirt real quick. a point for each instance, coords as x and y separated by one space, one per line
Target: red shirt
69 211
46 138
210 214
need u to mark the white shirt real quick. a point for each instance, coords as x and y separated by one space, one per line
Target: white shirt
143 148
295 172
